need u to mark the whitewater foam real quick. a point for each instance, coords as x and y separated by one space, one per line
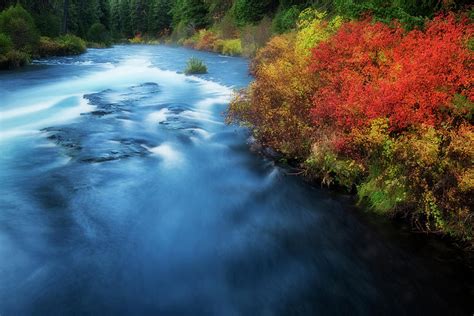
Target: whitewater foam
168 153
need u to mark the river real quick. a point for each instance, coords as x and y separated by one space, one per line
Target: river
122 191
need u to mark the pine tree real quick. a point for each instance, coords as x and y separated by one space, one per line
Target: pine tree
160 17
125 17
191 12
115 18
138 16
252 11
64 28
104 14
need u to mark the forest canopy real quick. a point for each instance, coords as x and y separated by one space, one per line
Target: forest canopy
125 18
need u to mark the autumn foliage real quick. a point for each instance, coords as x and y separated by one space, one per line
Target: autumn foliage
370 70
283 93
374 108
278 103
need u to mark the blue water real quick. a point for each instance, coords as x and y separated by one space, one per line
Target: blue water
123 192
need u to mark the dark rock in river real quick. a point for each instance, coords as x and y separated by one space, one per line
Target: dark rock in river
99 135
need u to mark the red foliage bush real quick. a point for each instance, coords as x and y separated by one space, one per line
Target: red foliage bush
371 70
376 109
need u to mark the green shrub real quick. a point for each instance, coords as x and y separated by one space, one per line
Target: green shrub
61 46
13 59
195 66
252 11
72 45
48 47
411 15
325 165
18 24
285 20
313 28
98 34
5 44
232 47
385 188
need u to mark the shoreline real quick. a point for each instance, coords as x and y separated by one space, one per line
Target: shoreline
398 221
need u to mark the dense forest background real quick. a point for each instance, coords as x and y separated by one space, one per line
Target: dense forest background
126 18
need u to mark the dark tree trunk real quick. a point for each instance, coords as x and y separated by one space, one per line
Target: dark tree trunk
65 16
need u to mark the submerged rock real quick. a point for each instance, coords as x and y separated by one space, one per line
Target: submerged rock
98 136
85 146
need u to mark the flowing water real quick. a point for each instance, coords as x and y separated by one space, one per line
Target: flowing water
123 192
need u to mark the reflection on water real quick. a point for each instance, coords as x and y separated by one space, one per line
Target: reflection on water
122 192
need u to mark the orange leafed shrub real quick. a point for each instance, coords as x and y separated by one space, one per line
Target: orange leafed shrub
277 105
282 90
206 40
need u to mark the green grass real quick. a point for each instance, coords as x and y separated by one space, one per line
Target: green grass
195 66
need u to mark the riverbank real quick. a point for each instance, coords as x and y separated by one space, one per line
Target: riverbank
21 41
395 224
107 172
371 108
335 171
397 133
